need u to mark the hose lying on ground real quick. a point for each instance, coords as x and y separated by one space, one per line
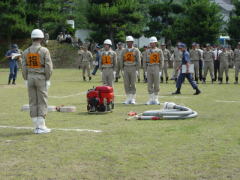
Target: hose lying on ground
170 111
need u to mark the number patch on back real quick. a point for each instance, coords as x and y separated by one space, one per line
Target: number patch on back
33 61
154 58
129 57
106 60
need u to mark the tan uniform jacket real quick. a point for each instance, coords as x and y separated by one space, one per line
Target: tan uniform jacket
36 59
237 55
108 59
153 57
130 57
86 56
177 55
167 55
225 58
208 56
195 55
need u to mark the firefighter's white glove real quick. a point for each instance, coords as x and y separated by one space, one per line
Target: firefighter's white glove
145 74
114 74
48 84
26 83
100 73
160 74
136 73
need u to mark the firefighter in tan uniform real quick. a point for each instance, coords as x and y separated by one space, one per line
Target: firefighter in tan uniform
195 56
107 64
224 60
118 66
167 57
153 61
86 59
130 63
208 59
177 59
37 69
237 62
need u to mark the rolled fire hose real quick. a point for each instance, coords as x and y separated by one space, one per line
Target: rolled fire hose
170 111
61 108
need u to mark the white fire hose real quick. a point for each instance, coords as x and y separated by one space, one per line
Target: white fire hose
170 111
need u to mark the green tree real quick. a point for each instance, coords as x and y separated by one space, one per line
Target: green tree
13 19
201 22
162 16
114 19
234 24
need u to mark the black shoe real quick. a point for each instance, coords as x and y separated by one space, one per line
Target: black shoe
166 80
14 83
116 80
176 92
197 92
139 80
84 78
90 78
161 79
9 82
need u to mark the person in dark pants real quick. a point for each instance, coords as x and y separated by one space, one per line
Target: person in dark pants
217 51
13 55
200 63
97 60
185 74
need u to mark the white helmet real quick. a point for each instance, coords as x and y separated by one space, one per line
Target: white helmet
153 39
37 33
129 38
108 41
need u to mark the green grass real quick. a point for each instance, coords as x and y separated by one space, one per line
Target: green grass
206 147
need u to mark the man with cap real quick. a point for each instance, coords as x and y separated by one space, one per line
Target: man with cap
200 62
13 56
153 62
177 58
195 56
224 60
167 57
108 62
86 59
37 69
237 62
186 61
130 62
97 50
208 59
118 66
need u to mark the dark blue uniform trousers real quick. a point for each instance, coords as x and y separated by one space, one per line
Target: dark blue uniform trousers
181 78
13 70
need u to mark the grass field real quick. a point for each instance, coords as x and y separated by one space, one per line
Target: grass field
204 148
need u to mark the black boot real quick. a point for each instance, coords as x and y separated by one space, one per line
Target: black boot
220 80
204 80
90 78
14 83
139 80
227 78
84 78
176 92
161 79
166 79
236 80
116 80
196 80
9 81
197 92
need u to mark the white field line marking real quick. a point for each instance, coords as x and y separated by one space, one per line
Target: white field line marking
227 101
57 129
67 96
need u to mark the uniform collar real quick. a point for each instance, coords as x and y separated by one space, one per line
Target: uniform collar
36 44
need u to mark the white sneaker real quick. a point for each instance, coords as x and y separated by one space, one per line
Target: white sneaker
41 129
150 101
127 101
35 121
132 99
155 97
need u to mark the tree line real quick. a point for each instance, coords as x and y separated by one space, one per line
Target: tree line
175 20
